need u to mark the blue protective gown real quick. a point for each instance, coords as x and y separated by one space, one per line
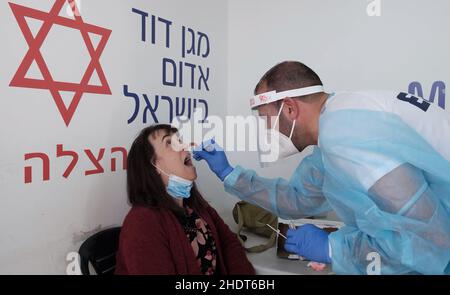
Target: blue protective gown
383 165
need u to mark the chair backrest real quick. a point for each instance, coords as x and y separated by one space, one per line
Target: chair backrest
100 250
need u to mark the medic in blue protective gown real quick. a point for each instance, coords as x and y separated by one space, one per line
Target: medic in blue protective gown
382 163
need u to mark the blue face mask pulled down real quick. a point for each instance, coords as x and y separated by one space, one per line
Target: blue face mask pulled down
177 187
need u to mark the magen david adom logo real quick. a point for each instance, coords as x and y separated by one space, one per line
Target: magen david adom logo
49 20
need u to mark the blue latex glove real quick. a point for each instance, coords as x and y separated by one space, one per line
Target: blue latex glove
214 155
310 242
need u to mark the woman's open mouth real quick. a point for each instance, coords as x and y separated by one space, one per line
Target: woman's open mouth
188 161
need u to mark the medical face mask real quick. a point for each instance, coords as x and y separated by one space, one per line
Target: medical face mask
177 187
276 145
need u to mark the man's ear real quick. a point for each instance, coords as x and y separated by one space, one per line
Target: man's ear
291 109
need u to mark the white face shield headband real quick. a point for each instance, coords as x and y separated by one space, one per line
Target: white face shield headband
272 144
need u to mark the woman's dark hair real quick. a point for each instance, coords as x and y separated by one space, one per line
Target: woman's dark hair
144 184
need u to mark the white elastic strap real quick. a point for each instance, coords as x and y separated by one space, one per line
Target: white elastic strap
292 129
300 91
278 115
163 172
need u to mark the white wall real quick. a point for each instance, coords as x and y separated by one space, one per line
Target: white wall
347 48
42 221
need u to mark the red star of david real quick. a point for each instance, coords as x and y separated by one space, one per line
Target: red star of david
34 54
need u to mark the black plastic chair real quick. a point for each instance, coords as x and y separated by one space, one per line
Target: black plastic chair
100 250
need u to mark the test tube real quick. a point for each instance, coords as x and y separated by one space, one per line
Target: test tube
209 147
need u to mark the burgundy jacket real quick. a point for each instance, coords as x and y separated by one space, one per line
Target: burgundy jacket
152 241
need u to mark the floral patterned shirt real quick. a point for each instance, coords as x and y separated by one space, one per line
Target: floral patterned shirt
200 237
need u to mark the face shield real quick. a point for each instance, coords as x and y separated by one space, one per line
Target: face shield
272 144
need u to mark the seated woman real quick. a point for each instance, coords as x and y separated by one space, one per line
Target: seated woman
170 228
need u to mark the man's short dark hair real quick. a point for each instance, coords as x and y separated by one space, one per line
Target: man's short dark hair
288 75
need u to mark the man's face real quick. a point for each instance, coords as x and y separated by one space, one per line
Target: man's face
267 111
270 111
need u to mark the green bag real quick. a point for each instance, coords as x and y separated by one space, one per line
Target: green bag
255 220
